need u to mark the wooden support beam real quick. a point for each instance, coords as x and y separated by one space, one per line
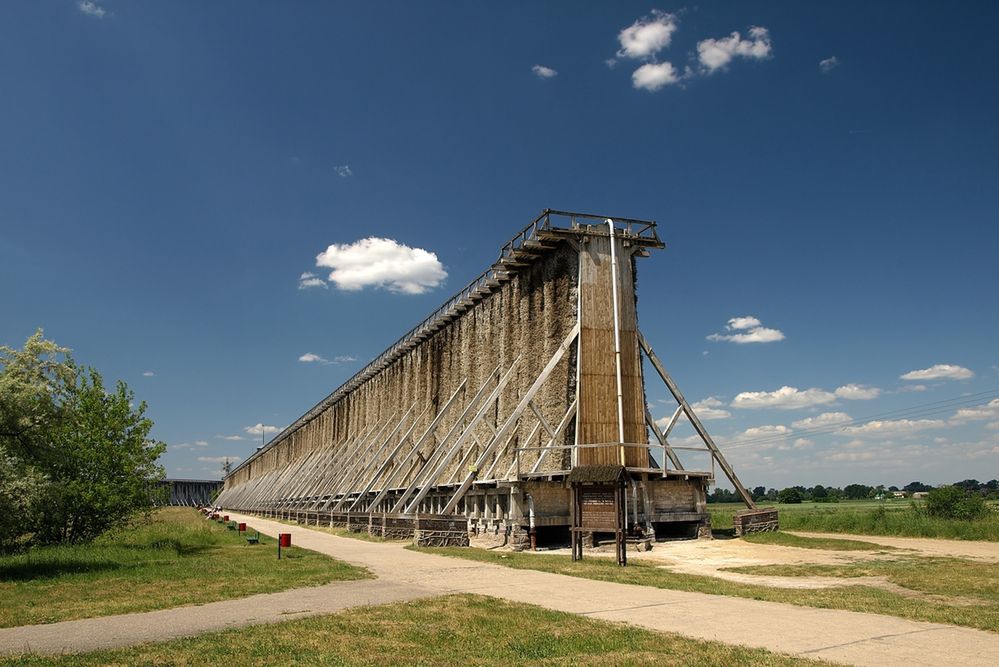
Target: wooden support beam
513 418
695 422
661 437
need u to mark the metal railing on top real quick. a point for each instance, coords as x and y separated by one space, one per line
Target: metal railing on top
643 230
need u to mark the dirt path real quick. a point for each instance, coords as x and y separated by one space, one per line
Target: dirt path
986 551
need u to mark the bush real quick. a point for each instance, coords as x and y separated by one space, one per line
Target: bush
789 496
953 502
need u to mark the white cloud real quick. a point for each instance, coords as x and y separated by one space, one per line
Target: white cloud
201 443
824 420
710 408
377 262
803 443
938 372
543 72
647 36
307 280
343 170
148 374
857 392
912 387
992 426
182 445
714 54
653 76
230 437
219 459
309 358
767 430
343 359
91 8
747 329
890 427
259 429
828 64
785 398
977 413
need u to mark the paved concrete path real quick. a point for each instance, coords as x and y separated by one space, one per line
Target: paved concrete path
90 634
841 636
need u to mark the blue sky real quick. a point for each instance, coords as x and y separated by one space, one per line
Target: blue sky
170 170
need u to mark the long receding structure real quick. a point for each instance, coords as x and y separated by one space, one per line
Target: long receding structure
517 409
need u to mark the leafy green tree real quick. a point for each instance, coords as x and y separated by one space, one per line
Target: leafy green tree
34 385
106 470
857 491
21 500
955 502
791 496
76 458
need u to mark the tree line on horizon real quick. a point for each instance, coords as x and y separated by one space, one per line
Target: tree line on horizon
76 459
832 494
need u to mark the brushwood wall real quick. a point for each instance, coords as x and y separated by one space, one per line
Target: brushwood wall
526 318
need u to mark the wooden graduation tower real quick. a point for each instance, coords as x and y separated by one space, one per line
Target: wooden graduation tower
515 413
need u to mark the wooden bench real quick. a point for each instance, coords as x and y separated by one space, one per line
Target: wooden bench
253 539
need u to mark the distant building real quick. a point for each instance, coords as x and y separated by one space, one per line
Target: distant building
920 494
898 494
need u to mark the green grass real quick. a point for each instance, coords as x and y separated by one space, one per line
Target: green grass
462 629
178 558
984 616
934 576
898 518
825 543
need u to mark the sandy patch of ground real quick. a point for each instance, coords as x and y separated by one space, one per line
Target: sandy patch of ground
973 550
714 558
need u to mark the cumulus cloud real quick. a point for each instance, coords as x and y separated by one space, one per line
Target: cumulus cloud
307 280
148 374
260 429
714 54
220 459
828 64
785 398
653 76
939 372
543 72
989 410
647 36
857 392
892 427
201 443
824 420
747 329
710 408
343 170
309 358
764 431
230 437
383 263
91 8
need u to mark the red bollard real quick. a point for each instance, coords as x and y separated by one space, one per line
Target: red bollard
242 527
284 540
226 518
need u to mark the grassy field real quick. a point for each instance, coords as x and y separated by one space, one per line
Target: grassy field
464 629
901 518
973 612
177 559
